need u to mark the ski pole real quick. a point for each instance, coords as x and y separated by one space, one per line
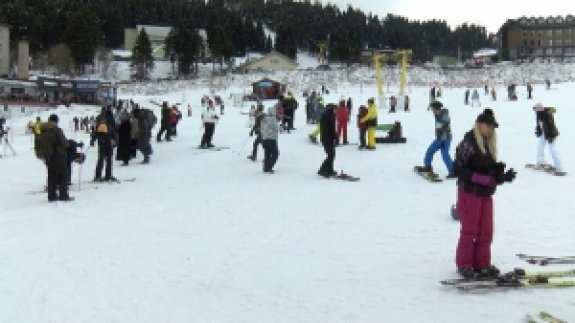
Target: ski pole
243 145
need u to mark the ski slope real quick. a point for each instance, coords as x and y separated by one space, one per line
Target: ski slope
204 236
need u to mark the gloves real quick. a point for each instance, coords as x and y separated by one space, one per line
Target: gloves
483 180
538 131
509 176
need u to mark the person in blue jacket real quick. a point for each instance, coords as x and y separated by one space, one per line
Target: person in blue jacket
442 140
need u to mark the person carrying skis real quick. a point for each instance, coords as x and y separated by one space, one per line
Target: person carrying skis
342 118
269 130
547 132
442 140
259 115
328 140
478 174
371 122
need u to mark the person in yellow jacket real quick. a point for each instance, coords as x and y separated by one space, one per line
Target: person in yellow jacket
36 126
371 121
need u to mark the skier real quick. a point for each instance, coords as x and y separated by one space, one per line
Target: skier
342 118
442 140
547 132
392 103
269 130
165 123
72 155
56 162
478 174
290 106
123 153
209 120
432 94
406 103
371 122
328 141
361 126
259 115
466 96
529 91
105 135
493 94
475 98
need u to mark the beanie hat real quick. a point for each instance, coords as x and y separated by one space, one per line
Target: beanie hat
436 105
487 117
53 118
538 107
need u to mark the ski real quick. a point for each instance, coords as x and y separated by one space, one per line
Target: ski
345 177
550 169
430 176
546 260
516 282
516 273
545 316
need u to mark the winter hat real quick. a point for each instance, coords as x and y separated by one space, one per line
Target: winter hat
538 107
487 117
53 118
436 105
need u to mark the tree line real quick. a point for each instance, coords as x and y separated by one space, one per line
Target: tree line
85 27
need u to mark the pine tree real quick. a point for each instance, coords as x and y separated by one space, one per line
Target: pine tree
184 43
142 60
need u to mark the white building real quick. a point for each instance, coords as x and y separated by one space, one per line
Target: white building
4 49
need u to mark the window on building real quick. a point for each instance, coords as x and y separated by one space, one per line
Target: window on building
549 51
539 43
550 42
558 32
549 33
558 42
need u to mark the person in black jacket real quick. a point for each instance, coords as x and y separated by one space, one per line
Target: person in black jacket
104 133
72 155
124 151
547 132
56 163
164 123
478 174
328 140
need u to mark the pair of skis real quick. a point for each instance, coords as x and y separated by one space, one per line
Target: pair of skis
517 278
546 260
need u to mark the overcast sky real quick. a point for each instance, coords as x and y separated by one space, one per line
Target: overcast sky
489 13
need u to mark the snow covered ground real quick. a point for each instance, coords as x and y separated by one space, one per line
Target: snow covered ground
204 236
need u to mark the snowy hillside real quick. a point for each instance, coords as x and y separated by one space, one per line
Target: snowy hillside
205 236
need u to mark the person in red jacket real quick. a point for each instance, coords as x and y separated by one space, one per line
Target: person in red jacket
342 118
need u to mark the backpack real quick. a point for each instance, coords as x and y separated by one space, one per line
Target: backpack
43 145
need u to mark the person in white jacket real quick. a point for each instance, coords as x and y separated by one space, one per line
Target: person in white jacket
269 130
209 120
